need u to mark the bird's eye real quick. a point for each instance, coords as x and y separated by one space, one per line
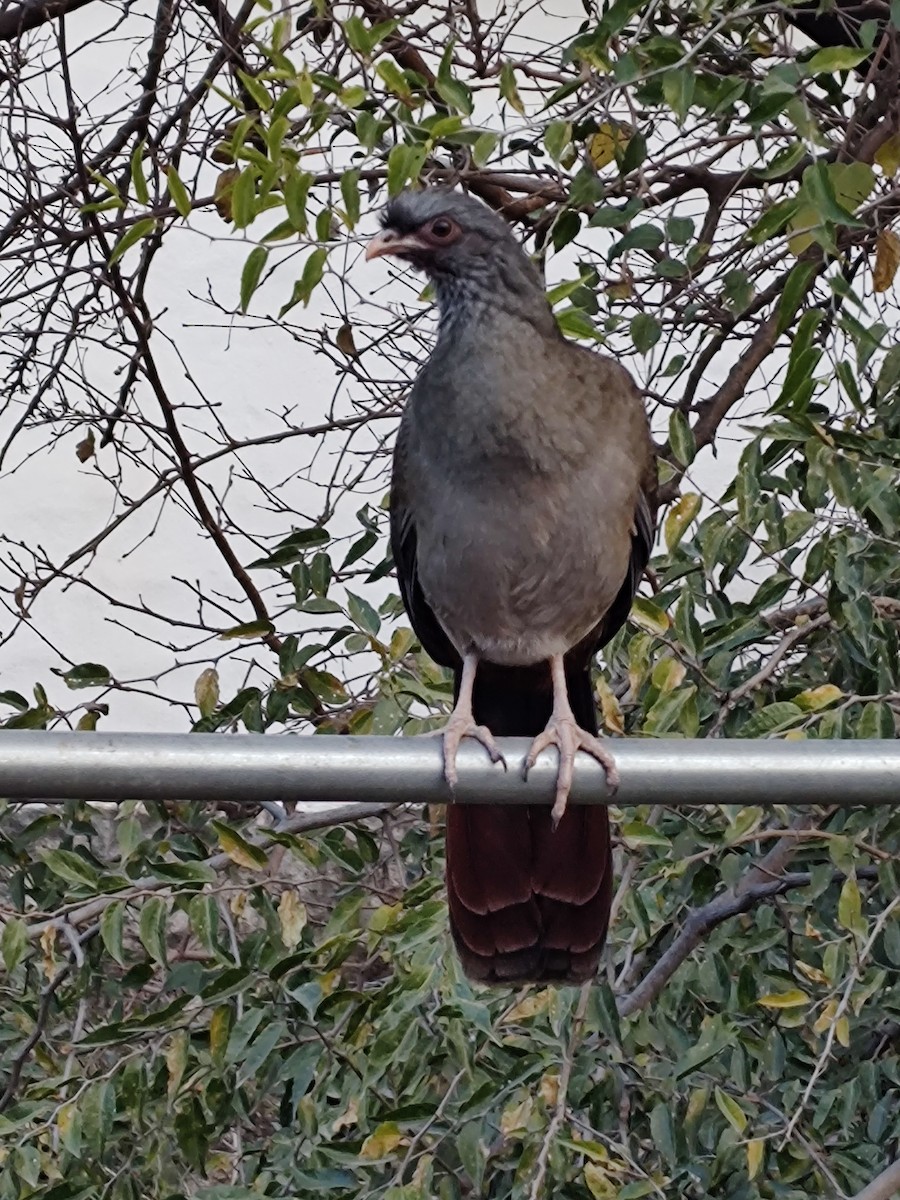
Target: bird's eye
442 229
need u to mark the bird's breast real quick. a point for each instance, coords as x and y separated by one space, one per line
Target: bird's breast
520 566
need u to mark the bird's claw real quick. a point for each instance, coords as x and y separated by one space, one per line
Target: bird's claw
568 737
458 728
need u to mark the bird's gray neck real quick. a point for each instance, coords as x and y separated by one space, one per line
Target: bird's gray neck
511 287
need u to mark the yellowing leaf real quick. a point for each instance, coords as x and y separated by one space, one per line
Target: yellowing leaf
679 516
219 1029
516 1116
292 915
387 1137
818 697
508 89
609 708
888 155
668 674
850 907
206 691
599 1183
827 1017
603 145
887 259
813 974
731 1111
756 1154
649 616
176 1060
530 1006
621 289
240 851
548 1089
48 951
794 998
348 1117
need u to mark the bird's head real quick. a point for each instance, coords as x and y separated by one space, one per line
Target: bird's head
468 251
439 231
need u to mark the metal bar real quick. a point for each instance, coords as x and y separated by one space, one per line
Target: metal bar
326 770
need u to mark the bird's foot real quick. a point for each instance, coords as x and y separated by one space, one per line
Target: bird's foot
568 737
459 726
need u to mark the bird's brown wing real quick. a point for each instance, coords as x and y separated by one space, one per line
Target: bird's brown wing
527 903
427 628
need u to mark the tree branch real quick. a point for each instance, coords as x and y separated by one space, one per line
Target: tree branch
883 1186
761 882
20 18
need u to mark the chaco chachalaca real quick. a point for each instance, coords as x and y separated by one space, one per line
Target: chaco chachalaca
520 526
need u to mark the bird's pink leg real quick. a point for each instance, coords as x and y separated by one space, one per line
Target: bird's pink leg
462 724
564 732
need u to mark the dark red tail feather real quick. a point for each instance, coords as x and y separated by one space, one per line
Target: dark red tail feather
527 903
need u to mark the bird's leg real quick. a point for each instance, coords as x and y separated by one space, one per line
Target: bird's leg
564 732
462 723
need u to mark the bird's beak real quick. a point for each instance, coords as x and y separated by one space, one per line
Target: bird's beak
389 241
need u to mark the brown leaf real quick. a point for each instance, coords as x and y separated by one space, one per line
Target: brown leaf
887 259
85 448
224 185
344 341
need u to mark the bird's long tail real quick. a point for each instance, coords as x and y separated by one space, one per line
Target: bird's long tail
527 903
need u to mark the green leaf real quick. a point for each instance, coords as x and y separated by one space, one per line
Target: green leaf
313 271
243 198
681 438
140 229
795 290
451 90
13 942
663 1133
557 138
256 90
363 614
508 89
731 1111
296 192
138 182
876 721
645 332
86 675
850 914
178 192
112 930
252 273
71 866
152 928
836 58
250 631
350 196
678 90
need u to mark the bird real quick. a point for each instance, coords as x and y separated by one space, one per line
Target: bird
521 522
